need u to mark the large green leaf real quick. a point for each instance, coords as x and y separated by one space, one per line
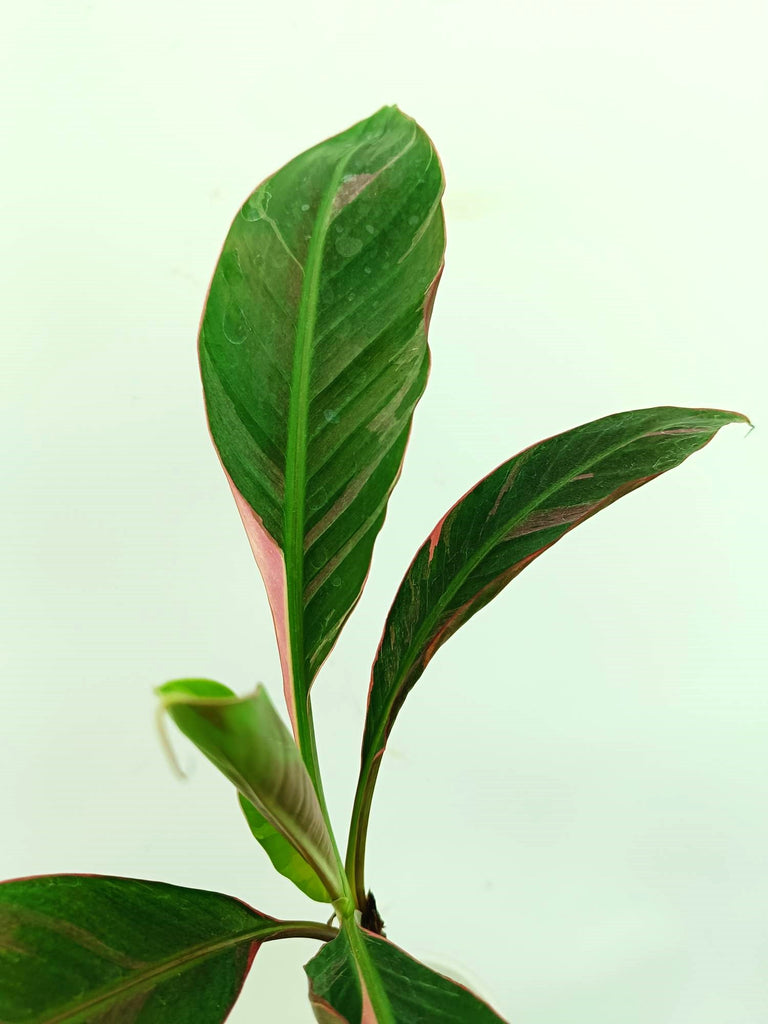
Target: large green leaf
490 535
313 350
247 741
79 949
361 978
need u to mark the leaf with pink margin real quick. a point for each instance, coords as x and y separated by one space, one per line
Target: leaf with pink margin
362 978
491 534
87 949
313 354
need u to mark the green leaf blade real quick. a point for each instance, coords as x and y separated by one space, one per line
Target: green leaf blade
77 949
247 741
491 534
313 353
361 978
284 856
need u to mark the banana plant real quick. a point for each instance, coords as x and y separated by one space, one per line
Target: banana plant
313 352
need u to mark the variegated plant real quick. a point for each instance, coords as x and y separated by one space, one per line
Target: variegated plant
313 349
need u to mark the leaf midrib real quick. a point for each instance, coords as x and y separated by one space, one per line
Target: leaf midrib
369 976
297 449
166 968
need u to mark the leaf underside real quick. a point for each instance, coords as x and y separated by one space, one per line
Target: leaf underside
285 858
313 351
364 979
80 949
247 741
498 528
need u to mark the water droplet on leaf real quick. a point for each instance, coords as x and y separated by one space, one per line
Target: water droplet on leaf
253 208
348 245
235 325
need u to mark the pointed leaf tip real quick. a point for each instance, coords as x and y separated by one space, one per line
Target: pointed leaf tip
491 534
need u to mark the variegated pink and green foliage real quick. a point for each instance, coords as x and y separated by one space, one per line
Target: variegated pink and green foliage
498 528
83 949
361 978
313 350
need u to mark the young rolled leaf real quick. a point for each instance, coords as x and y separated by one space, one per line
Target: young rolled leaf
361 978
508 519
247 741
80 949
285 858
313 352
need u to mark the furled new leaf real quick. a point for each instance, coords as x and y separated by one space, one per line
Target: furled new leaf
285 858
490 535
361 978
247 741
313 351
80 949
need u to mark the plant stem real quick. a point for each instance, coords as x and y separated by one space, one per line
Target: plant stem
346 905
358 830
304 930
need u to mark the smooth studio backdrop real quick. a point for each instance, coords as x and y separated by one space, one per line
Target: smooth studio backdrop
571 813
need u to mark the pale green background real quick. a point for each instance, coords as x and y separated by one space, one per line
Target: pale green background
584 769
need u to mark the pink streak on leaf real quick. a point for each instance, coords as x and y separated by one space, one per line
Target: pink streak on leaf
369 1014
253 949
324 1012
429 298
271 563
434 537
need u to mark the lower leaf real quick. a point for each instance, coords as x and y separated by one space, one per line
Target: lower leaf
362 978
80 949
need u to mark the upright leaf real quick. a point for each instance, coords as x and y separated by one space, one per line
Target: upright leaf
81 949
313 351
247 741
490 535
361 978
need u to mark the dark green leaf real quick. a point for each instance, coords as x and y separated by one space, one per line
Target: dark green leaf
361 978
490 535
79 949
313 349
247 741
